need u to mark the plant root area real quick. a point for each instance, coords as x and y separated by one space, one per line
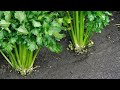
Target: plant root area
102 61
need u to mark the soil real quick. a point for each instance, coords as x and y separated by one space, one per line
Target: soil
101 62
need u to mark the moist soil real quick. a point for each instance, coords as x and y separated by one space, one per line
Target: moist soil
102 61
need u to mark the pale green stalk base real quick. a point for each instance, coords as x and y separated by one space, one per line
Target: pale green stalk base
21 59
79 37
26 71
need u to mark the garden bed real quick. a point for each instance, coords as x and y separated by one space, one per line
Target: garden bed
102 60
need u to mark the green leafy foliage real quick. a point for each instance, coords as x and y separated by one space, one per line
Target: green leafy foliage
23 33
33 26
20 15
96 20
82 25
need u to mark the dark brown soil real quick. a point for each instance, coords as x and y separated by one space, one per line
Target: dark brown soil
101 62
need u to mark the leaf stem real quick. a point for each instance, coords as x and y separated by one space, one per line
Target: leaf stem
81 29
6 58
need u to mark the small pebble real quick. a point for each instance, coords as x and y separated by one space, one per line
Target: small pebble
91 53
37 71
50 66
112 19
109 37
10 70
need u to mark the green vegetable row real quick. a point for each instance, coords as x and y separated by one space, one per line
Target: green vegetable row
24 33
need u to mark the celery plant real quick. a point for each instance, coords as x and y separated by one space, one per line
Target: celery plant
83 25
24 33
